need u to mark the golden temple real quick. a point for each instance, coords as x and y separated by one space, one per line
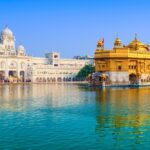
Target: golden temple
124 64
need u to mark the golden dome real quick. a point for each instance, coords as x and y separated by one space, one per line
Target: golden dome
118 43
100 43
117 40
138 45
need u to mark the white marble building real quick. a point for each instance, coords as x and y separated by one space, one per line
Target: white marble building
16 65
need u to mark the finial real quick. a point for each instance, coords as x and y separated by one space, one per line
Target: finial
6 26
135 36
117 35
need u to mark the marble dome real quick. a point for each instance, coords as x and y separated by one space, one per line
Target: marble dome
21 48
7 32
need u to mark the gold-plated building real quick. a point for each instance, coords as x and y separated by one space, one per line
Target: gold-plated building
124 64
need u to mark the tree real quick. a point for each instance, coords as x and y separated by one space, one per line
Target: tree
85 71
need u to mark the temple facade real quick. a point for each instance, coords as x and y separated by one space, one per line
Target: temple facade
17 66
124 64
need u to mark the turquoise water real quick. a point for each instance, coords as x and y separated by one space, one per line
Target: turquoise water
73 117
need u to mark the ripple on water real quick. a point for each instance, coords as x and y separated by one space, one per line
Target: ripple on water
69 116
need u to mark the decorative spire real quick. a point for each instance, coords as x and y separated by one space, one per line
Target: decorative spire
117 36
118 43
135 36
100 44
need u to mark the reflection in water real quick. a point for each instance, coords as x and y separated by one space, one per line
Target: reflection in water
69 116
124 115
16 97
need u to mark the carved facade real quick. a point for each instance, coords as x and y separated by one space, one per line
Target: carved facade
124 63
17 66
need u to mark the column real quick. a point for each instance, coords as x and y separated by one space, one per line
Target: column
18 74
6 74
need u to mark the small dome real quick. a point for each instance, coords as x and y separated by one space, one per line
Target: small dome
7 32
138 45
21 48
118 43
118 40
100 43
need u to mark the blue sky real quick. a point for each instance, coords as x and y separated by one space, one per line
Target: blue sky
73 27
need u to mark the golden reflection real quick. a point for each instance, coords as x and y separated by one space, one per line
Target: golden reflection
123 111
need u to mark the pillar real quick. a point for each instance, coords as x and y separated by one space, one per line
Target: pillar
18 74
6 74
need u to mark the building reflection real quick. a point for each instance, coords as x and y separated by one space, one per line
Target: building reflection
19 97
124 115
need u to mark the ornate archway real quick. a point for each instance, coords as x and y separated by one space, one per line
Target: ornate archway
22 76
59 79
133 78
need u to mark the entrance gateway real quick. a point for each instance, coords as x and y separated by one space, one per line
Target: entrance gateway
22 76
12 73
133 78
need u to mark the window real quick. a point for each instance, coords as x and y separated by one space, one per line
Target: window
55 65
119 67
132 67
55 56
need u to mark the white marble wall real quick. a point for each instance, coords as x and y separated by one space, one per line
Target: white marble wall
118 76
15 59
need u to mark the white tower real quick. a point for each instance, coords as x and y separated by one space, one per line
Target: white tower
54 58
7 40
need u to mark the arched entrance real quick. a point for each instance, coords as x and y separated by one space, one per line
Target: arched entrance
13 76
103 77
64 79
22 76
48 79
133 78
59 79
44 79
54 80
51 79
40 80
13 73
37 79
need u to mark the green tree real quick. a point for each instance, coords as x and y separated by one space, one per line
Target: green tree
85 71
